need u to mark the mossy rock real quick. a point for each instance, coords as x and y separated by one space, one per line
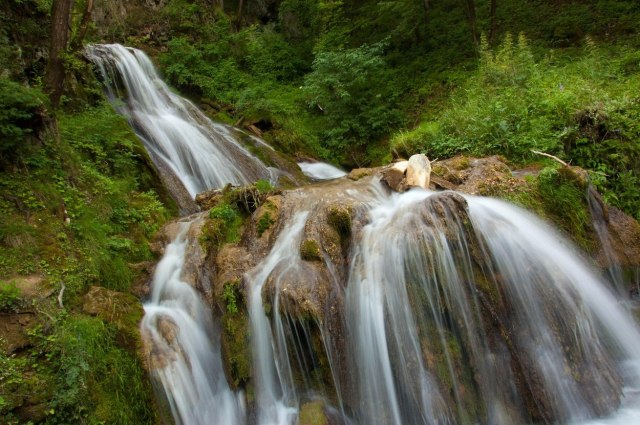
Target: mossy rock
359 173
339 217
122 310
312 413
235 344
310 250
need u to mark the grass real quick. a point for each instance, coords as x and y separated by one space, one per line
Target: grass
78 207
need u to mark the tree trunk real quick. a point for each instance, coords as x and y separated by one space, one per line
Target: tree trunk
239 16
60 25
492 20
84 25
470 11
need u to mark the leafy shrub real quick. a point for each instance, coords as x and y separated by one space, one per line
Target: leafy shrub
347 89
21 112
223 226
264 222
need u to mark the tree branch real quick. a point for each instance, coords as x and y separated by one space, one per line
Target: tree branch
555 158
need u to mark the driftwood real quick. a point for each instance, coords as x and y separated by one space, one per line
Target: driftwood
60 295
550 156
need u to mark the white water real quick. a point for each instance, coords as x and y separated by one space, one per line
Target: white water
183 346
277 400
405 274
202 154
320 170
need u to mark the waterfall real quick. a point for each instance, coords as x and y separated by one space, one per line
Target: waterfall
276 397
182 344
425 279
200 153
453 309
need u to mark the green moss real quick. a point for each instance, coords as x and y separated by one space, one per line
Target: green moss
310 250
264 223
230 296
223 226
564 201
312 414
10 297
339 217
236 348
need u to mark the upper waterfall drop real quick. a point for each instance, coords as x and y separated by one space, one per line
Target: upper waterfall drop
200 153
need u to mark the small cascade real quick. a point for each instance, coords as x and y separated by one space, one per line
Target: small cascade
321 170
600 218
182 343
277 400
180 138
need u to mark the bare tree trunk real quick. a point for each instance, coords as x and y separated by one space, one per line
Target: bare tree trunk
492 20
239 15
470 11
60 26
84 25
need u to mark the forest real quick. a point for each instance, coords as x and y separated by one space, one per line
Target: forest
354 83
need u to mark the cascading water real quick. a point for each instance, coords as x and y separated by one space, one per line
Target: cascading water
276 395
421 287
320 170
455 309
182 344
202 154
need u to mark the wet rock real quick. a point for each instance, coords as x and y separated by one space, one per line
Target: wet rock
625 235
209 199
158 354
358 173
394 178
232 262
476 176
312 413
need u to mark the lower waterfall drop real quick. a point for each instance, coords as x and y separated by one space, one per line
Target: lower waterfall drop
275 391
183 346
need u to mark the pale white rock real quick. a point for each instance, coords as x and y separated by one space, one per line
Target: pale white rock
419 171
401 166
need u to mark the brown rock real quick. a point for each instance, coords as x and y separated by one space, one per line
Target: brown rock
358 173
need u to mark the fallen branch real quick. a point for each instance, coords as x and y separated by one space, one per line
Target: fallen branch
550 156
60 295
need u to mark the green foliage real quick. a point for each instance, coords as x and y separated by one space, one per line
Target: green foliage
583 109
10 299
223 226
230 297
264 223
348 89
96 380
264 186
21 111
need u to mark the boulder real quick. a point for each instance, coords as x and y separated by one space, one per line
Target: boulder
418 171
